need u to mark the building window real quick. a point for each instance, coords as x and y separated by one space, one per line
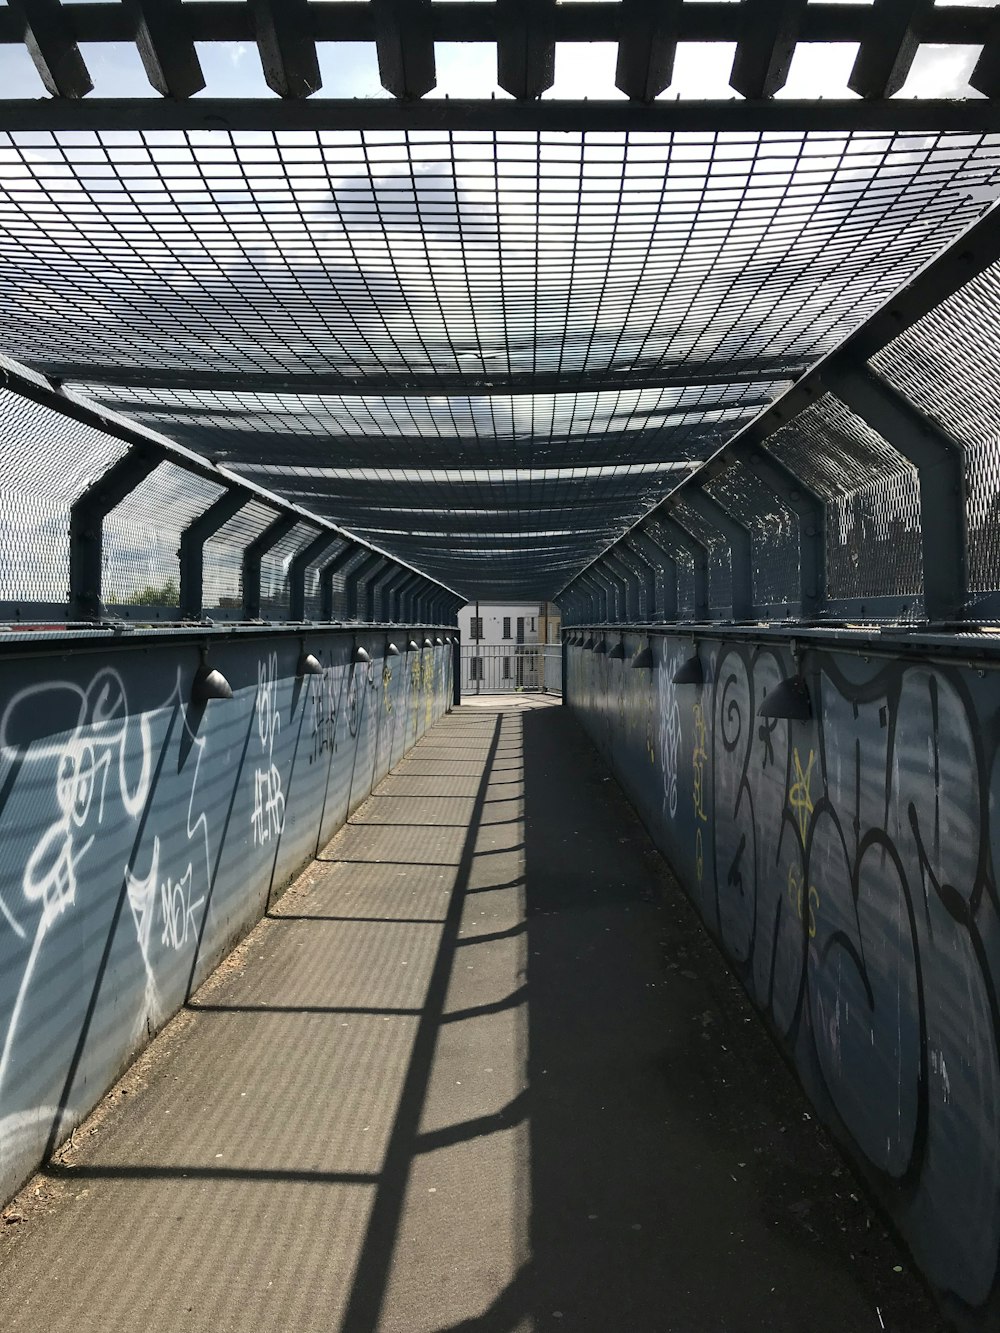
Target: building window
476 632
520 629
476 668
532 624
506 667
506 627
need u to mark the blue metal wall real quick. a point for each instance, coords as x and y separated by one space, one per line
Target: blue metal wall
141 836
846 867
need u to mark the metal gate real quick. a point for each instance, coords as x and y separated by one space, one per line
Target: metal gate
503 668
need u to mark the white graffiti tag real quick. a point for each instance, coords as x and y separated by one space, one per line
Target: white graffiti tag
268 817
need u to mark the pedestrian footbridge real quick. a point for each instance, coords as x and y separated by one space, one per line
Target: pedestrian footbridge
659 993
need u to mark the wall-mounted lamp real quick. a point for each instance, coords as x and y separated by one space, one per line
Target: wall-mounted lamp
589 644
439 643
617 652
209 683
308 665
413 646
428 644
391 650
361 655
789 699
690 672
644 657
601 646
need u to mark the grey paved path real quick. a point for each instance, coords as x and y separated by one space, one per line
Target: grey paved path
480 1071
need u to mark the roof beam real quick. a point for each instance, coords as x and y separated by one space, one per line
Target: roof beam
395 386
166 50
284 30
555 115
44 28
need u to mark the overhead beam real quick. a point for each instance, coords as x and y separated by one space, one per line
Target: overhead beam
395 386
555 115
472 21
166 50
284 32
767 43
45 28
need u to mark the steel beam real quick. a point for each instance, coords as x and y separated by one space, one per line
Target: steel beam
360 574
326 577
404 42
931 115
810 510
737 537
647 47
662 573
166 50
86 528
254 555
888 47
940 464
526 46
699 552
402 385
284 32
770 31
298 569
46 30
620 568
617 588
192 550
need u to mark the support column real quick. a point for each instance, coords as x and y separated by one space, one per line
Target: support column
252 558
86 529
192 550
810 510
737 536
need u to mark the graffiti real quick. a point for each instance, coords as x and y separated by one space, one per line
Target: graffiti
670 732
386 692
847 865
268 817
122 882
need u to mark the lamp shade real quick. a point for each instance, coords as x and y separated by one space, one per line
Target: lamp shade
209 684
618 651
644 657
690 672
391 650
308 665
362 655
789 699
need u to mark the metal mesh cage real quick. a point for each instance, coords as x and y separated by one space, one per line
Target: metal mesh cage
471 268
638 572
684 562
47 461
313 596
274 570
774 533
222 583
948 365
873 500
142 536
720 568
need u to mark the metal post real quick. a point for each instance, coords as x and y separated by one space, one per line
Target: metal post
359 572
737 537
810 510
326 576
297 573
192 550
940 464
456 670
699 551
618 569
86 528
650 595
664 568
252 558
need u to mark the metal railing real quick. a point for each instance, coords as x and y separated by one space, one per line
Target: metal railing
510 667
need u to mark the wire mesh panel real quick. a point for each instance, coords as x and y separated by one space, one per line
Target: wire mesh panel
684 561
774 533
46 462
313 595
274 567
514 329
948 365
720 566
223 556
873 500
142 536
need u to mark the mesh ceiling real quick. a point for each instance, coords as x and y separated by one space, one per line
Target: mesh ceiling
352 318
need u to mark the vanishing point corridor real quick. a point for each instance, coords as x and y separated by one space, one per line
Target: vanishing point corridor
479 1069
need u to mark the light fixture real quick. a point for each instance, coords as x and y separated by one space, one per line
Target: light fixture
361 655
391 650
439 642
209 683
644 657
413 646
601 646
789 699
590 643
428 644
308 665
690 672
618 651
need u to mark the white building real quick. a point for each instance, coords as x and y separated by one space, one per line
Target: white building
501 644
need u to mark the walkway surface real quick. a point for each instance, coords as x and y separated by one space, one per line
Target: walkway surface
481 1070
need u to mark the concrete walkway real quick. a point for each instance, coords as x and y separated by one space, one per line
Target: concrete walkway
480 1070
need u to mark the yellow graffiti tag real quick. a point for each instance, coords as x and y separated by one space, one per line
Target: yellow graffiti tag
800 794
802 901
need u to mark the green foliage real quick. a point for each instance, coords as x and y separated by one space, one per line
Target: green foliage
166 594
